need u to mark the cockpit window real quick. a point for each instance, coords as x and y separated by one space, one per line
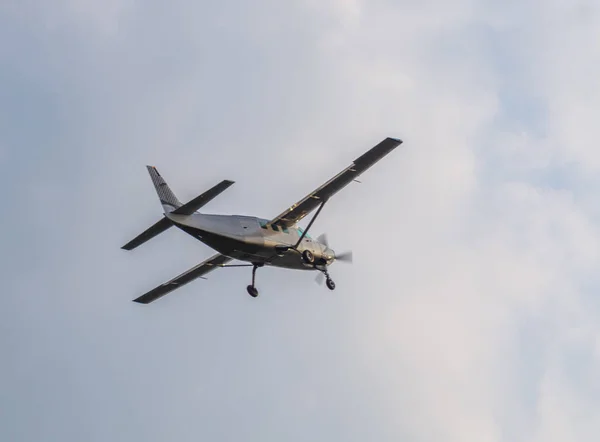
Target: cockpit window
301 231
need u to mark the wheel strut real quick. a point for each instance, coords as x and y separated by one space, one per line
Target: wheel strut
254 274
252 291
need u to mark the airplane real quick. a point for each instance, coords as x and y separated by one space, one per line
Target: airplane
278 242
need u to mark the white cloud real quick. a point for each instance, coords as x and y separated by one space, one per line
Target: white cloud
475 267
530 250
103 18
344 12
563 68
87 18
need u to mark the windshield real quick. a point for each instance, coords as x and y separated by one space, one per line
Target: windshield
301 231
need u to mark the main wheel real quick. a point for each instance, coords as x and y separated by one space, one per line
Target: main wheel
308 257
252 291
330 284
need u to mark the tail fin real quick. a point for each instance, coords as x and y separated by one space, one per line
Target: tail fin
167 198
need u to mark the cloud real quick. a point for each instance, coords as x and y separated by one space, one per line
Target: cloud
86 17
470 308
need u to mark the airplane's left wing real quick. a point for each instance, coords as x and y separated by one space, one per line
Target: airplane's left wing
310 202
195 272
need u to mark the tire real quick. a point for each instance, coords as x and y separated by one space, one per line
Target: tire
330 284
308 257
252 291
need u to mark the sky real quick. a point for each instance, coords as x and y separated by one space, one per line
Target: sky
471 311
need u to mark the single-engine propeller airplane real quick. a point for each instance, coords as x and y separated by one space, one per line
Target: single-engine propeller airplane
277 242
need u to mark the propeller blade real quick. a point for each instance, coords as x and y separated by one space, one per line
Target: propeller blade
344 256
320 279
323 239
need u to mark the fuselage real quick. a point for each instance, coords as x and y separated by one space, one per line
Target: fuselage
252 239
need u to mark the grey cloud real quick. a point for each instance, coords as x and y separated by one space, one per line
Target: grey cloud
470 276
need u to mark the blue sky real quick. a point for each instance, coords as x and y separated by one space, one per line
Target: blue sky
470 310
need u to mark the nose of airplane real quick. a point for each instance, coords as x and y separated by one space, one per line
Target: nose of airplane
328 254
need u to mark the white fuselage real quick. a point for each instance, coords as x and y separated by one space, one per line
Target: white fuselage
251 239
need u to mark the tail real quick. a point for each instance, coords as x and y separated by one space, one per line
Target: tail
167 198
171 204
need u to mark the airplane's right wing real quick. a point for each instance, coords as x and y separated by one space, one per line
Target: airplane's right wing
295 213
200 270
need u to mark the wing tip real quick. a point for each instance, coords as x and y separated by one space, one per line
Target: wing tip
142 300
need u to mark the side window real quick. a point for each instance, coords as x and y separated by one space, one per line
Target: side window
263 224
274 227
285 229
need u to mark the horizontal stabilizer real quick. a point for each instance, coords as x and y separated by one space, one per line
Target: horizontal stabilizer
170 202
199 201
150 233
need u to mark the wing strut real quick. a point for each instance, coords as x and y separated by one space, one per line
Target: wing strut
310 224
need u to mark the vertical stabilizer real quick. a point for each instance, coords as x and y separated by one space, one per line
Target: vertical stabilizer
167 198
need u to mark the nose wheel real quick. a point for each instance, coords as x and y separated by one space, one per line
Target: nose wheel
252 290
330 284
328 281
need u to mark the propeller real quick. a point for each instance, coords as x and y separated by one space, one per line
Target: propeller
343 257
323 239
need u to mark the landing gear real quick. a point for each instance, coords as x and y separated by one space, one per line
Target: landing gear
328 281
252 291
308 257
330 284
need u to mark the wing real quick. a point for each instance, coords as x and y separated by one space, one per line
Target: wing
306 205
195 272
